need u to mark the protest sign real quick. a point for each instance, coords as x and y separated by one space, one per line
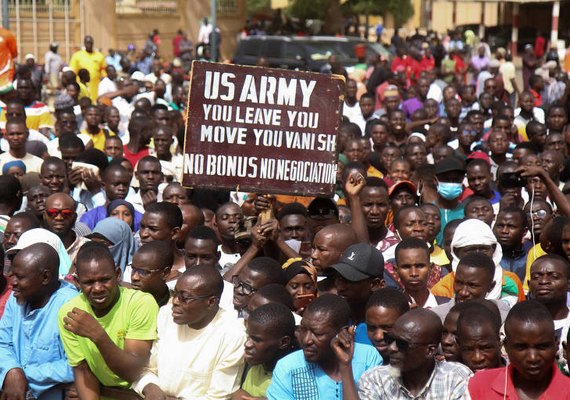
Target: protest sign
262 129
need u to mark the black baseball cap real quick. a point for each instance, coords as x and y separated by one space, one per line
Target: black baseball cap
449 164
360 261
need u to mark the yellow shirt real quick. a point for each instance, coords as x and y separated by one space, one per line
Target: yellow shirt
98 139
37 116
534 252
132 317
94 63
371 171
257 381
438 256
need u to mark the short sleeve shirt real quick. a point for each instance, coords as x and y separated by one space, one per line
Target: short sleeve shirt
257 381
133 316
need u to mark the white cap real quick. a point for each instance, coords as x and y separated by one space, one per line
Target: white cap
29 56
40 235
137 76
37 235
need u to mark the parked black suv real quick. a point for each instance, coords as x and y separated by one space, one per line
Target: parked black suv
302 53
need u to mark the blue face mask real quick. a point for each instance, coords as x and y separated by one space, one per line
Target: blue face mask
449 190
109 158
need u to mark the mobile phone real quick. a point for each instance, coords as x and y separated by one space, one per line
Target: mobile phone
304 299
512 180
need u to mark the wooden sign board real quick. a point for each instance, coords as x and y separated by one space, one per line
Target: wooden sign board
263 130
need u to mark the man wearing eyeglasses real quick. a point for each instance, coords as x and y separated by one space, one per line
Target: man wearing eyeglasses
413 371
150 268
199 351
260 271
59 218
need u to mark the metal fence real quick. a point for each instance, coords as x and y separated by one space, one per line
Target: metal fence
37 23
150 6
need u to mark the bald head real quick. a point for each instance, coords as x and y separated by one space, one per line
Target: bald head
343 235
39 257
191 215
205 279
423 324
60 198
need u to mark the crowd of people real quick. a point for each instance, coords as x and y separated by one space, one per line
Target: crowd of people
438 270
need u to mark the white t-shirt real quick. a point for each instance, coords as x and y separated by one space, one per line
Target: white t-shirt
33 163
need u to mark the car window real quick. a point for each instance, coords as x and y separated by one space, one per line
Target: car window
250 47
273 49
323 50
294 50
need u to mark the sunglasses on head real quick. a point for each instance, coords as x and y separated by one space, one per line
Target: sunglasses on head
65 213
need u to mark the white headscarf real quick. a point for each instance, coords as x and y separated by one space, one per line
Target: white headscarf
475 232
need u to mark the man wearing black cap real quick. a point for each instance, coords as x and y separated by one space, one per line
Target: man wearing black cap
359 272
449 175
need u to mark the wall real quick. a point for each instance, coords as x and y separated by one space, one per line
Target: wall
135 29
467 13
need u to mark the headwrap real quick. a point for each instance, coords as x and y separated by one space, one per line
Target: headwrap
121 236
296 266
14 163
475 232
40 235
120 202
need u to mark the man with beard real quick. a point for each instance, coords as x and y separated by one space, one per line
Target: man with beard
413 370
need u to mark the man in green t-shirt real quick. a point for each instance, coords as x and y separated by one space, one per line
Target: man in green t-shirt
107 331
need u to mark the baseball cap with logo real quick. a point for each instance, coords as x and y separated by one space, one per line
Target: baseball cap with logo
360 261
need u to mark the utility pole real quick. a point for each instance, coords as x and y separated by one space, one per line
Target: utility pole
5 15
213 40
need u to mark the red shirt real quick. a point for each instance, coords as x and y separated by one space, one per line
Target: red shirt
398 62
537 98
490 385
539 45
428 63
132 157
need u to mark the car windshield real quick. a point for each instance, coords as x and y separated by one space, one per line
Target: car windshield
323 50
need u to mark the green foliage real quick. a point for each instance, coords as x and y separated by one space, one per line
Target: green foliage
313 9
255 6
401 10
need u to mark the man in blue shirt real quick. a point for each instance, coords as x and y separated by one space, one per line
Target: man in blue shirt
32 359
314 372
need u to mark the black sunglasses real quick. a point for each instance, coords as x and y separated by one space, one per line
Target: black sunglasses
402 344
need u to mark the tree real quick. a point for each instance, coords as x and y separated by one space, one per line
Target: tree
401 10
327 10
255 6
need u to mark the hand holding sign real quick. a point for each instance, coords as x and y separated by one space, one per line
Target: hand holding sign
262 128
